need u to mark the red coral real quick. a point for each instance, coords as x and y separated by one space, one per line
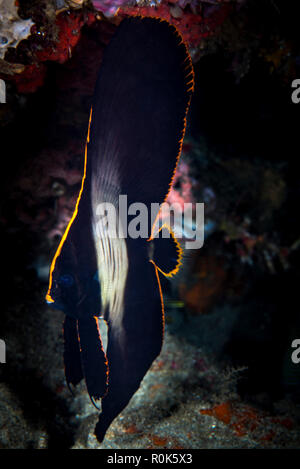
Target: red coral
131 429
31 78
193 27
159 441
69 27
211 280
222 412
245 420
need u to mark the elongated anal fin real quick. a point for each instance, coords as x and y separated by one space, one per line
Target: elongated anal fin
93 358
72 360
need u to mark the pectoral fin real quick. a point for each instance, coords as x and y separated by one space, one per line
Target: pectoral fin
165 252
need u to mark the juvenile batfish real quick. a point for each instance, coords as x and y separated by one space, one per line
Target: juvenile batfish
136 127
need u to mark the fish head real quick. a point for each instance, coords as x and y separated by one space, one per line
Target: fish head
73 286
65 290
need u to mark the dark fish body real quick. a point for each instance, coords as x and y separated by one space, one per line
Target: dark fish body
135 135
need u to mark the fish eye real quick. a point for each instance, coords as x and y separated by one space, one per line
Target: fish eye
66 280
3 40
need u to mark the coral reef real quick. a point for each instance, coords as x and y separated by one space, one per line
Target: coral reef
108 7
13 29
48 32
225 377
192 24
54 30
45 50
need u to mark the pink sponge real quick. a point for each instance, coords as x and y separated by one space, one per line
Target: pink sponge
109 7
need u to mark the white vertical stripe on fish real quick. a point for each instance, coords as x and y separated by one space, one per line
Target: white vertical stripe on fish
112 258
